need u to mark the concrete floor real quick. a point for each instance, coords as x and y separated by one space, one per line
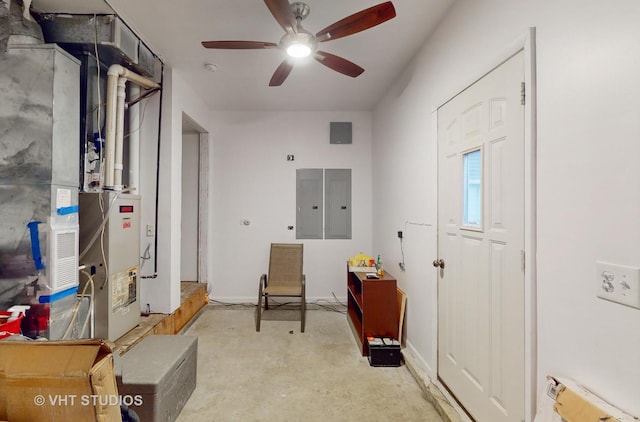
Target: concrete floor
280 374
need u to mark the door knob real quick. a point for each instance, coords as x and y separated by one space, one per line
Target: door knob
438 263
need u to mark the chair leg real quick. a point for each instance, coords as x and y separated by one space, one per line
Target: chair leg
303 303
259 309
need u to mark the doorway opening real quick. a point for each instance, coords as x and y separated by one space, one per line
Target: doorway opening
195 210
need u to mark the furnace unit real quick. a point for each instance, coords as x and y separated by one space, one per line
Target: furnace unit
110 245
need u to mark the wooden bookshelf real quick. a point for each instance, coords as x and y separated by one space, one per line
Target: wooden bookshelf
372 307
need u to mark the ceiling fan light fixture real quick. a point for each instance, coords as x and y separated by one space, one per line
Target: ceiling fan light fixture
299 50
299 43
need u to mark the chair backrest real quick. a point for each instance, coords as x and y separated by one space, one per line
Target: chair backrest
285 264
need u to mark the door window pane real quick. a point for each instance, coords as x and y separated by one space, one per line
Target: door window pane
472 186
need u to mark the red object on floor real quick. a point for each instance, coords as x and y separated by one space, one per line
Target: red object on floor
8 328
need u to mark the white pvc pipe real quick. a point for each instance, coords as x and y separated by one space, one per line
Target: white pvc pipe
110 128
119 147
113 137
134 141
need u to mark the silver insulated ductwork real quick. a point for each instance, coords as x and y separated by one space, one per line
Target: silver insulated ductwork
17 26
38 168
115 41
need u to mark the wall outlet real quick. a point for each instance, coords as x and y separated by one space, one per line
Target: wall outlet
151 230
618 283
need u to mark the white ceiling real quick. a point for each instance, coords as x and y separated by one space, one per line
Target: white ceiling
174 30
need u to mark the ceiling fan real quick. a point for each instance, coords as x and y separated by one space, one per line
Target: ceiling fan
298 42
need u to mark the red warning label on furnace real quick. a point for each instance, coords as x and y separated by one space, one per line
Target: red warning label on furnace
126 224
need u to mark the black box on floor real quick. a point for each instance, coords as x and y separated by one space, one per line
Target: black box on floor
384 351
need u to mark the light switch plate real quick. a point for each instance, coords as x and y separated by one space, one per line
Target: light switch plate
618 283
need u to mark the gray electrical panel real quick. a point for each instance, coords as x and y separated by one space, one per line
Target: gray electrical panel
309 204
337 196
323 196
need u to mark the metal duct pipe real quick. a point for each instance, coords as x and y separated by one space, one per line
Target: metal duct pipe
113 137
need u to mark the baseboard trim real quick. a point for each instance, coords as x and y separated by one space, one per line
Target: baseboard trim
433 394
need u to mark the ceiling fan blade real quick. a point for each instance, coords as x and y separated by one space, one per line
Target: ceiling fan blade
239 45
338 64
281 10
281 73
357 22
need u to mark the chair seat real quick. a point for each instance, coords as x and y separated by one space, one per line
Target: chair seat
285 278
283 290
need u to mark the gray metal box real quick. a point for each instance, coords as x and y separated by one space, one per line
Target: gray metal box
104 30
148 63
116 42
309 203
337 204
340 133
117 308
162 371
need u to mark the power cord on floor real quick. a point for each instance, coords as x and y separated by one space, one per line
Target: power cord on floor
322 304
230 305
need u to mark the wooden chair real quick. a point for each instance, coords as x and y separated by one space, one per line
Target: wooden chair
285 278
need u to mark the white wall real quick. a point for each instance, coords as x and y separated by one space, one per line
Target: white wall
254 181
189 220
162 293
588 183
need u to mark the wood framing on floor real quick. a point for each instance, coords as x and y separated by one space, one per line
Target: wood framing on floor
193 296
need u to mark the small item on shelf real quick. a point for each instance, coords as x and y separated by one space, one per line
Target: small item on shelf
379 267
373 276
360 260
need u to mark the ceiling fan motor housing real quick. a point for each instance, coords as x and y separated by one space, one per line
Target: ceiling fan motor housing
300 10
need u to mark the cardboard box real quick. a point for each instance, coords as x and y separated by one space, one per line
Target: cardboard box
574 403
57 381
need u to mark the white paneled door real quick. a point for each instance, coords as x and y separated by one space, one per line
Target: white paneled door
481 245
